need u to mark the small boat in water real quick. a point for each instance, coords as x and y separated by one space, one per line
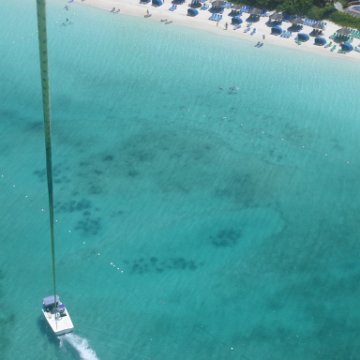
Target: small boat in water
57 315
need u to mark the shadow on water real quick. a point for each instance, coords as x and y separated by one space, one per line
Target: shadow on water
46 331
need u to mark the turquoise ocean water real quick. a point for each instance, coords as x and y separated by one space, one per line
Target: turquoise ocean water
193 222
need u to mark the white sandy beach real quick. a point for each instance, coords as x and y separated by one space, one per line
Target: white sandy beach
201 21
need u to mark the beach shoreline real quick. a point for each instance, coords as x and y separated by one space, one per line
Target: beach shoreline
202 22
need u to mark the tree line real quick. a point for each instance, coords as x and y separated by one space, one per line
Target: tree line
314 9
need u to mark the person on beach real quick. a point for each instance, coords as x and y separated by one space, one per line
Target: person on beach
226 26
147 12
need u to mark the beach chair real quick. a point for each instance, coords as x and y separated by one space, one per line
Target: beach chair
328 45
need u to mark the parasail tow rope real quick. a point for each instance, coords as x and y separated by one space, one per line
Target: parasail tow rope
42 37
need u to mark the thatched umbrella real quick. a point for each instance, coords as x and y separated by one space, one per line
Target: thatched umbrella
297 20
276 17
218 4
343 32
256 11
235 10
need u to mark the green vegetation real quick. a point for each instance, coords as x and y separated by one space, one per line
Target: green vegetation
299 7
345 20
314 9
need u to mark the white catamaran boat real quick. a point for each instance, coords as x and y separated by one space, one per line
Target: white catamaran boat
57 315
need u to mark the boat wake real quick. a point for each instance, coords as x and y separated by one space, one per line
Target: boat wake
79 344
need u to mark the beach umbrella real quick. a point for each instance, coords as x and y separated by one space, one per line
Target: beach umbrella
346 47
342 35
256 11
157 2
343 32
276 30
218 4
236 20
235 10
192 12
276 17
297 20
303 37
320 41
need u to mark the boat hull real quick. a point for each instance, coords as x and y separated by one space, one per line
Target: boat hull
59 325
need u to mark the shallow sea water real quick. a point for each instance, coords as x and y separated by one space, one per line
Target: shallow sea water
193 222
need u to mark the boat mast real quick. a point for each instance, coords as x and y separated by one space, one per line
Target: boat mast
43 51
